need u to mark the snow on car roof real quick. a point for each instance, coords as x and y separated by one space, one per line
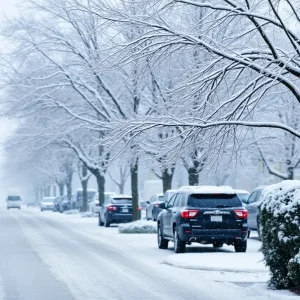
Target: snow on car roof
171 191
208 189
121 196
242 192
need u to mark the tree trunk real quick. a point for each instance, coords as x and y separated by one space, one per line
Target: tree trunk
135 190
84 184
101 187
167 176
193 176
61 187
121 187
290 170
69 189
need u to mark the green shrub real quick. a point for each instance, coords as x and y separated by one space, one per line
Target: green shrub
280 232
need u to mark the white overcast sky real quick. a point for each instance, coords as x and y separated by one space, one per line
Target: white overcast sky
8 7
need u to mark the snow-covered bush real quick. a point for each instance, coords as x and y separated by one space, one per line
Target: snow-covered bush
138 227
280 232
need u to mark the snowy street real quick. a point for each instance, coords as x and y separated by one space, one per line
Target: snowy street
53 256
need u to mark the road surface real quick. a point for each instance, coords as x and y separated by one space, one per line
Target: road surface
44 257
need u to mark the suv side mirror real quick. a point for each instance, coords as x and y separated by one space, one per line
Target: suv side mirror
162 206
148 202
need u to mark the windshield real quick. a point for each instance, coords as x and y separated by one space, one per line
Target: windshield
214 201
161 198
122 201
14 198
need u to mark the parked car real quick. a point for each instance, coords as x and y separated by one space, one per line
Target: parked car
203 214
116 209
252 205
13 199
243 195
65 204
78 197
169 194
56 203
152 208
47 203
93 203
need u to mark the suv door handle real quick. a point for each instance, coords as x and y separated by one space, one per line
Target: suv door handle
174 212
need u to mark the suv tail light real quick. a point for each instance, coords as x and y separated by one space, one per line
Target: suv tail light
189 213
241 213
110 208
139 208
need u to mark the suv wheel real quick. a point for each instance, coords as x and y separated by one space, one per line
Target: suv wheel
240 246
179 246
218 244
161 241
100 223
106 224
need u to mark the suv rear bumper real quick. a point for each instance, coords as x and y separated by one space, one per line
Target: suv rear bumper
212 235
120 218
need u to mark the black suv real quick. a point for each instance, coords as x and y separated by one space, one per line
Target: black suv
116 209
204 214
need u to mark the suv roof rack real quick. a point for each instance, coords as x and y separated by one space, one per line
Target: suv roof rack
207 189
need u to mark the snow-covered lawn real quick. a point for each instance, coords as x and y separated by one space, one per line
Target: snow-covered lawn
141 227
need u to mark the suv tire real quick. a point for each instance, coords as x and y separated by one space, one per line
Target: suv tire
218 244
106 224
179 246
161 241
240 246
100 223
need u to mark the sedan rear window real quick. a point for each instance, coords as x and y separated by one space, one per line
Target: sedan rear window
122 201
214 200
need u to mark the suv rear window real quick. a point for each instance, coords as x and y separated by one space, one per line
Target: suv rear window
214 200
122 201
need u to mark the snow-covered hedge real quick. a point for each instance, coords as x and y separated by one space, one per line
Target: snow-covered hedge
138 227
280 230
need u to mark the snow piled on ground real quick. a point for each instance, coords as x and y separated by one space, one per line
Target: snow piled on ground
219 261
89 214
142 226
71 212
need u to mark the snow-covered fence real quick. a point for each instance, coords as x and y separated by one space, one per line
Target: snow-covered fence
280 231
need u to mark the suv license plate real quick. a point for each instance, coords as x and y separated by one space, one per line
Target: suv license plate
125 210
216 218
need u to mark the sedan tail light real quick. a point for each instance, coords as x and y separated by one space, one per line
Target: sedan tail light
189 213
111 208
156 205
241 213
